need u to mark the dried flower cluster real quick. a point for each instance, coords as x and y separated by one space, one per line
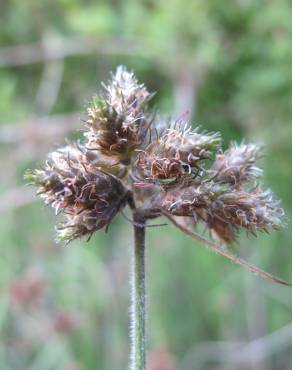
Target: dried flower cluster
88 196
177 172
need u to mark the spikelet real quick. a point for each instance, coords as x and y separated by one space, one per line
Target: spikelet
117 123
254 210
192 200
226 210
127 96
175 156
190 146
237 164
72 186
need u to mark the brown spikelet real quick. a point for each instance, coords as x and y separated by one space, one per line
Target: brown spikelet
225 210
253 210
117 123
237 164
175 156
87 196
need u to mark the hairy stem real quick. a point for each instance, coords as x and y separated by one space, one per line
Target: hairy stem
138 311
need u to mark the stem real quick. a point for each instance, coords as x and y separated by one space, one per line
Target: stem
227 253
138 312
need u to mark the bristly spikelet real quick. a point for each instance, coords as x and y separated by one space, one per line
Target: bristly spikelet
254 210
226 210
117 121
96 160
190 145
175 156
73 186
127 96
192 201
196 201
237 164
87 222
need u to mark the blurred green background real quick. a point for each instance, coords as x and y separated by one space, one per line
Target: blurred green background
229 63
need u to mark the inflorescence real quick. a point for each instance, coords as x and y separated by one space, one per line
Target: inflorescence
178 171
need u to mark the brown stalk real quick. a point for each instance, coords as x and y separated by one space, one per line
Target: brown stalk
226 253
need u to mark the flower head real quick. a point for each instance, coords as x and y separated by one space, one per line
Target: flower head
192 201
237 164
117 123
84 193
190 145
163 167
226 210
252 210
175 156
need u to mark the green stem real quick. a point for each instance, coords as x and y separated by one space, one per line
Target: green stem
138 311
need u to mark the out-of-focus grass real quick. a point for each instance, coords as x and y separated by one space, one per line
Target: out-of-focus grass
66 308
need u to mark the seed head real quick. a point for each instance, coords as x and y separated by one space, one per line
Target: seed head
117 123
254 210
237 164
175 156
191 201
226 210
127 96
190 146
76 225
132 156
83 193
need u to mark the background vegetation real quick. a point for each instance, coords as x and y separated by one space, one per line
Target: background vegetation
229 64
